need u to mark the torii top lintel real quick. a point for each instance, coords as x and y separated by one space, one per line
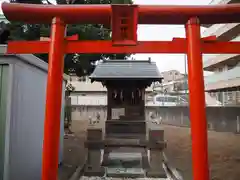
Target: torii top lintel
101 14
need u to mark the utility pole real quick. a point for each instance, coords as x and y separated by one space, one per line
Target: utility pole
185 72
185 64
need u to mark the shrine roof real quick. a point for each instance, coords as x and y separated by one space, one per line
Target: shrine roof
126 69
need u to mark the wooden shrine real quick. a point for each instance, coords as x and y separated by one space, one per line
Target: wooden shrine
125 129
126 81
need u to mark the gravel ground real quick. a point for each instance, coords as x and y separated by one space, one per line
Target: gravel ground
73 155
224 153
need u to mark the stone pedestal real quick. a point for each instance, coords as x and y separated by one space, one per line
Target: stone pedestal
94 144
93 167
156 165
156 145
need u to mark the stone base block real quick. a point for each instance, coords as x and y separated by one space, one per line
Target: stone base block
145 162
89 171
156 174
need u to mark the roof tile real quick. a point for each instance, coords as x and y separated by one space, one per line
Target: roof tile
126 69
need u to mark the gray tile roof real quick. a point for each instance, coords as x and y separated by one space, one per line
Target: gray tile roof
132 69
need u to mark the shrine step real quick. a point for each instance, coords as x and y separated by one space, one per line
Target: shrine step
125 172
124 142
124 126
132 117
141 136
126 121
124 165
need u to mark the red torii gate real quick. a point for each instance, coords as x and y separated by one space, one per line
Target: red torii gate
124 20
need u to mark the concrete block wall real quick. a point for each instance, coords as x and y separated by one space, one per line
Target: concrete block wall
222 119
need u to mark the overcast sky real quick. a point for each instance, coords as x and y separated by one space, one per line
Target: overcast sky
164 32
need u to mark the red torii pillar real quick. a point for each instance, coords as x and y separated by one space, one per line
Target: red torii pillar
58 45
53 101
197 101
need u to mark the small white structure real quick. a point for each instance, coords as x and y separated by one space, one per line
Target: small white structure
23 80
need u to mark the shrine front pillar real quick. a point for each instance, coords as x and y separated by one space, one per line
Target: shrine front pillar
53 101
197 101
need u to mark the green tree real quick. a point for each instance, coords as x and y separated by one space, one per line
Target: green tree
79 64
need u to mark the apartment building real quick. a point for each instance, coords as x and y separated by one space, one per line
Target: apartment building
3 18
172 75
224 83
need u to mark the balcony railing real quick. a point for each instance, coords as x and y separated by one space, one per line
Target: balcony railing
219 2
225 76
222 31
218 58
3 19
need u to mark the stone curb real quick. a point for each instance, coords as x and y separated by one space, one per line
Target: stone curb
78 173
173 171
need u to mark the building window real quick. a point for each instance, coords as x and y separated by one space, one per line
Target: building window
220 69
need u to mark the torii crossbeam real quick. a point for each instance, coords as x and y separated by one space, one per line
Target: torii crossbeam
124 20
